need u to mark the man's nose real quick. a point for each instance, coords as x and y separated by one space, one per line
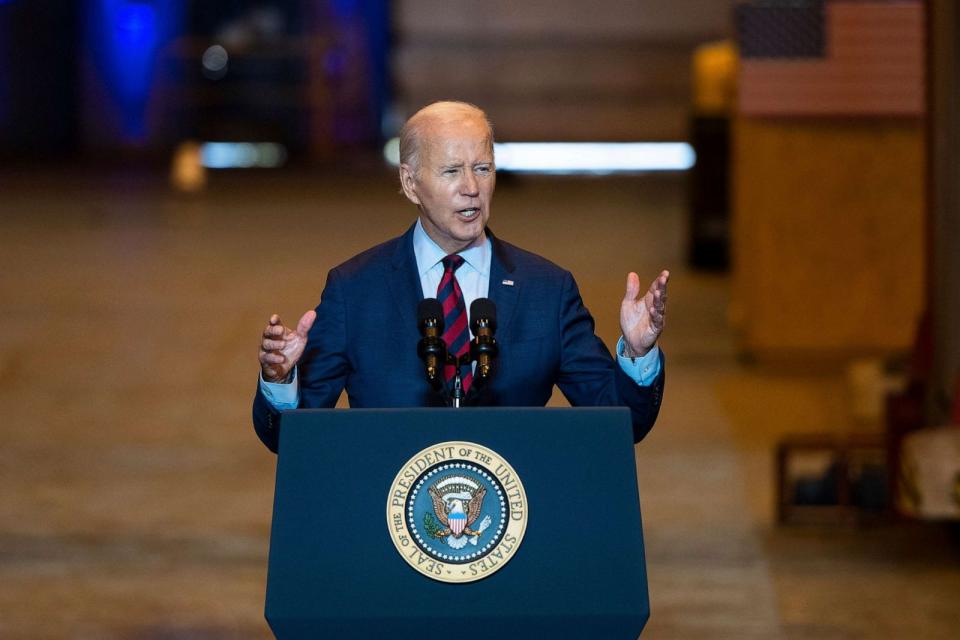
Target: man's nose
470 186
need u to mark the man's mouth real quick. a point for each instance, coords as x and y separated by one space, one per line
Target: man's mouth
469 213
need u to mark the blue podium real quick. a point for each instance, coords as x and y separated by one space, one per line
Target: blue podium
405 523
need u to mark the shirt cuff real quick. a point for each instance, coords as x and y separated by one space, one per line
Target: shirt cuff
282 395
644 369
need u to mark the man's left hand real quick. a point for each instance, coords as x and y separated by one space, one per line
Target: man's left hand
642 314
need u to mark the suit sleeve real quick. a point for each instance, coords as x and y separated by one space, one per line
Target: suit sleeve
323 367
589 375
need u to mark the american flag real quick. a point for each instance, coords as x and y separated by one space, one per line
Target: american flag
831 57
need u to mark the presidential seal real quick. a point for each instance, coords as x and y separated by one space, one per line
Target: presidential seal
457 512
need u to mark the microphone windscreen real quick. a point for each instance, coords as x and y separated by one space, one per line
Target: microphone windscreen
430 309
483 309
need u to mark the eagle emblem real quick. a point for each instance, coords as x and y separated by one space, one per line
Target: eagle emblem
456 511
457 503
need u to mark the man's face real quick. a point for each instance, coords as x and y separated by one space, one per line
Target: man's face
454 185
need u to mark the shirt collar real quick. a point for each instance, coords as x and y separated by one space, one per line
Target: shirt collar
429 253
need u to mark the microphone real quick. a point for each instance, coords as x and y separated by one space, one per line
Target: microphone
431 348
483 349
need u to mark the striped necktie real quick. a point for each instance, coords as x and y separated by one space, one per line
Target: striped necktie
456 334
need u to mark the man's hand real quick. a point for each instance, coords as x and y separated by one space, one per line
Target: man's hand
642 316
281 348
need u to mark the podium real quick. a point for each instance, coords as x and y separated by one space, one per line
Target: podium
341 566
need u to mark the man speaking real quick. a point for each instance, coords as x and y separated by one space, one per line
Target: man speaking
363 336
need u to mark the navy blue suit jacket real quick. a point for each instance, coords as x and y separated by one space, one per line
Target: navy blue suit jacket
365 340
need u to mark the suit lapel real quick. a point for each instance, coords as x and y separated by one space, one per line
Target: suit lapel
404 280
504 288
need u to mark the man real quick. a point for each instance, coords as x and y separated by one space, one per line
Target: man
363 336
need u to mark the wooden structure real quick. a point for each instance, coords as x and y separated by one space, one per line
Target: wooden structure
829 200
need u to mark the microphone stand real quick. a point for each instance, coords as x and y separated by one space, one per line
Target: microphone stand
457 395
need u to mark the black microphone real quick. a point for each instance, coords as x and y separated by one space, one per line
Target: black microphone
431 348
483 324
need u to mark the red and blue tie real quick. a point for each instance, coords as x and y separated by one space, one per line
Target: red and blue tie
456 334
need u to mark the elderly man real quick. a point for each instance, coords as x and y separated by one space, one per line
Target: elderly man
363 335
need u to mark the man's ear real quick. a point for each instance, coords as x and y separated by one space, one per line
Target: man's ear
408 182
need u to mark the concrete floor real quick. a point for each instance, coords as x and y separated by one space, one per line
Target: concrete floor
135 498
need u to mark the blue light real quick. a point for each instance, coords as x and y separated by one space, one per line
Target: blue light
125 36
137 24
346 8
242 155
134 45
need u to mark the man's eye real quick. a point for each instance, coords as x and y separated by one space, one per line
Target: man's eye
449 172
484 169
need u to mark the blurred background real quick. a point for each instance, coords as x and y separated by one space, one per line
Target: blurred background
172 172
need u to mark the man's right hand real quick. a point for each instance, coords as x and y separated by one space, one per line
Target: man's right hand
281 348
